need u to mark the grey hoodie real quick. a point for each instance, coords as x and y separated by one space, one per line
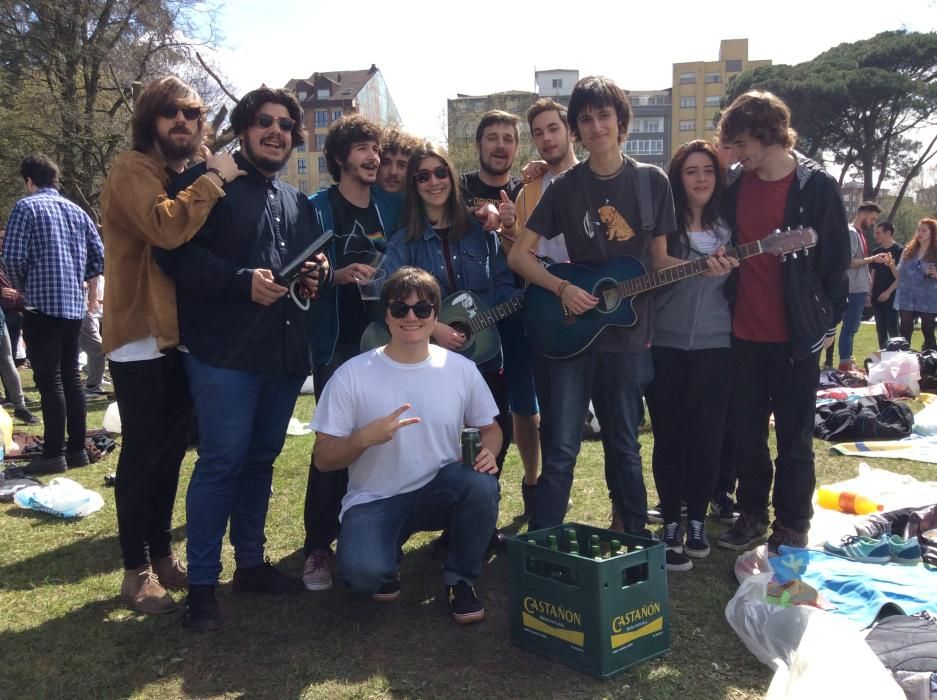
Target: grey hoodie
694 314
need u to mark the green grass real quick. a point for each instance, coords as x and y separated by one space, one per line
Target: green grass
64 633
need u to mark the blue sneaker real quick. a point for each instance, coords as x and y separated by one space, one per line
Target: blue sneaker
865 549
904 551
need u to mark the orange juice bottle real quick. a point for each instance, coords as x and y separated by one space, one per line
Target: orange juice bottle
846 501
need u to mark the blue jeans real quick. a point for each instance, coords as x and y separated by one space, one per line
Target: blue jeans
372 534
616 382
242 420
852 317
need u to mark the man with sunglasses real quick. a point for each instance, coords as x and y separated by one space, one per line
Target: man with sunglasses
142 331
362 217
248 349
393 418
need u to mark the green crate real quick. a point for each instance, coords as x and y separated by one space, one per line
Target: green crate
597 616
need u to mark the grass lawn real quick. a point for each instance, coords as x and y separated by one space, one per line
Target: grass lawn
64 633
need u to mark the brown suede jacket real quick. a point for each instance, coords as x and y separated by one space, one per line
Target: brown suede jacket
136 213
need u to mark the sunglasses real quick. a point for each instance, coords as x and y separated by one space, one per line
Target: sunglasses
440 173
190 113
265 121
421 309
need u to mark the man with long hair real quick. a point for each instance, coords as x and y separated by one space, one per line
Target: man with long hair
785 313
141 335
51 249
248 349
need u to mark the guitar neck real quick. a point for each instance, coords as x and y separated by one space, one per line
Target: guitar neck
487 318
692 268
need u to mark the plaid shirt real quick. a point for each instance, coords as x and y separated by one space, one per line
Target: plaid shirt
51 248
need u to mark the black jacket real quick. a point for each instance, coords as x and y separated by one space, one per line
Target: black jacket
815 284
260 223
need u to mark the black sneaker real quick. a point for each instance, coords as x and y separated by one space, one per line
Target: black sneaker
387 593
78 458
46 465
528 493
780 534
464 604
723 509
266 578
656 515
747 531
25 415
697 544
676 560
201 609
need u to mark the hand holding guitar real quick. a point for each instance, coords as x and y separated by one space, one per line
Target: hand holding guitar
720 264
447 337
577 300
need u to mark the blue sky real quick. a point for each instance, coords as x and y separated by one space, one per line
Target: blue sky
429 51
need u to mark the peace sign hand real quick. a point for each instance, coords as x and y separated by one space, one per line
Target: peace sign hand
382 430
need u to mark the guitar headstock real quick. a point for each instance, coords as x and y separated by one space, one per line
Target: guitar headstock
789 241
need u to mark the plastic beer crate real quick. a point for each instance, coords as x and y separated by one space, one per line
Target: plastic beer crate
597 616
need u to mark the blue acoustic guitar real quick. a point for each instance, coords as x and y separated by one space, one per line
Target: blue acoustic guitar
466 314
557 333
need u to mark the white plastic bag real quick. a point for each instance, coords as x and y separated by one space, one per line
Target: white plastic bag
111 422
62 497
901 367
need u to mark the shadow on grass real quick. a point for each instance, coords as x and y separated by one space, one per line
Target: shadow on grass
70 563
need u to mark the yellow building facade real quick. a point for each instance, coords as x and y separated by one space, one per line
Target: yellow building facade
698 89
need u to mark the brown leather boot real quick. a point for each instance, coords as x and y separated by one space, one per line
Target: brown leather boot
171 573
143 593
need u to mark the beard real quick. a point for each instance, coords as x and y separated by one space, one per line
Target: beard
492 170
558 158
177 150
270 165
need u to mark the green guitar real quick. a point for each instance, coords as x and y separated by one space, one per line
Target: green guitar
556 333
466 314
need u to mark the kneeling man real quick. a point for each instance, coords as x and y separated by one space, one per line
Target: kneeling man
394 417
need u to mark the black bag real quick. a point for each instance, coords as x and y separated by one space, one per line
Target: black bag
869 418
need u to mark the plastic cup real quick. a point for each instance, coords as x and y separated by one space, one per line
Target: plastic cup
370 288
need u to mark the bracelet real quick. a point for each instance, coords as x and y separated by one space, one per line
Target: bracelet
562 288
224 180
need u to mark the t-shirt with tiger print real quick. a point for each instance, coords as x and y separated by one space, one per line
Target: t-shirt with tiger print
600 219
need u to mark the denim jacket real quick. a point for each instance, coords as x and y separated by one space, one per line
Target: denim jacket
478 262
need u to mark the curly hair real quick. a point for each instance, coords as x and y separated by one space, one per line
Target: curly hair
761 114
245 111
397 141
343 134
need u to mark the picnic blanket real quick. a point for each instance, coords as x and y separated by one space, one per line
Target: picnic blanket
920 446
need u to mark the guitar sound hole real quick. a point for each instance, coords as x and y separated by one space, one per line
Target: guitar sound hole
463 328
608 294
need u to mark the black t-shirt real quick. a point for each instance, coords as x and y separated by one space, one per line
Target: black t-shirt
883 275
358 237
600 219
475 192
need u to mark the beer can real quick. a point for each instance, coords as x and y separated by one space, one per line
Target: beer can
471 445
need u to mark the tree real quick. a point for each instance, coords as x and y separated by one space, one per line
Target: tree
65 74
861 102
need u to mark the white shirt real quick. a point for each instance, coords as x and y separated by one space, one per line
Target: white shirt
446 391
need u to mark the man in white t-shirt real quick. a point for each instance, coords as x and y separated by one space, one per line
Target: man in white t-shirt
393 417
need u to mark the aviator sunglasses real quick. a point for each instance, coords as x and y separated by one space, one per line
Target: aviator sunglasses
440 172
421 309
264 121
190 113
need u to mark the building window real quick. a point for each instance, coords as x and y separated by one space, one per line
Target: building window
557 82
733 66
302 95
713 100
300 148
658 100
320 142
688 101
687 78
646 126
687 125
713 77
644 147
323 168
322 119
336 115
302 167
322 93
324 183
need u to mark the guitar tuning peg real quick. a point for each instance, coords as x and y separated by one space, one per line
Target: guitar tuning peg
794 255
806 252
784 257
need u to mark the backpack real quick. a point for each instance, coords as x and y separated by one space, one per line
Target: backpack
868 418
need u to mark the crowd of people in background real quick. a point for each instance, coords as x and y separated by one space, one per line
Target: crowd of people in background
196 323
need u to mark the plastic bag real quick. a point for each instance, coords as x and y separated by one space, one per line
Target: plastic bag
111 422
901 367
63 498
